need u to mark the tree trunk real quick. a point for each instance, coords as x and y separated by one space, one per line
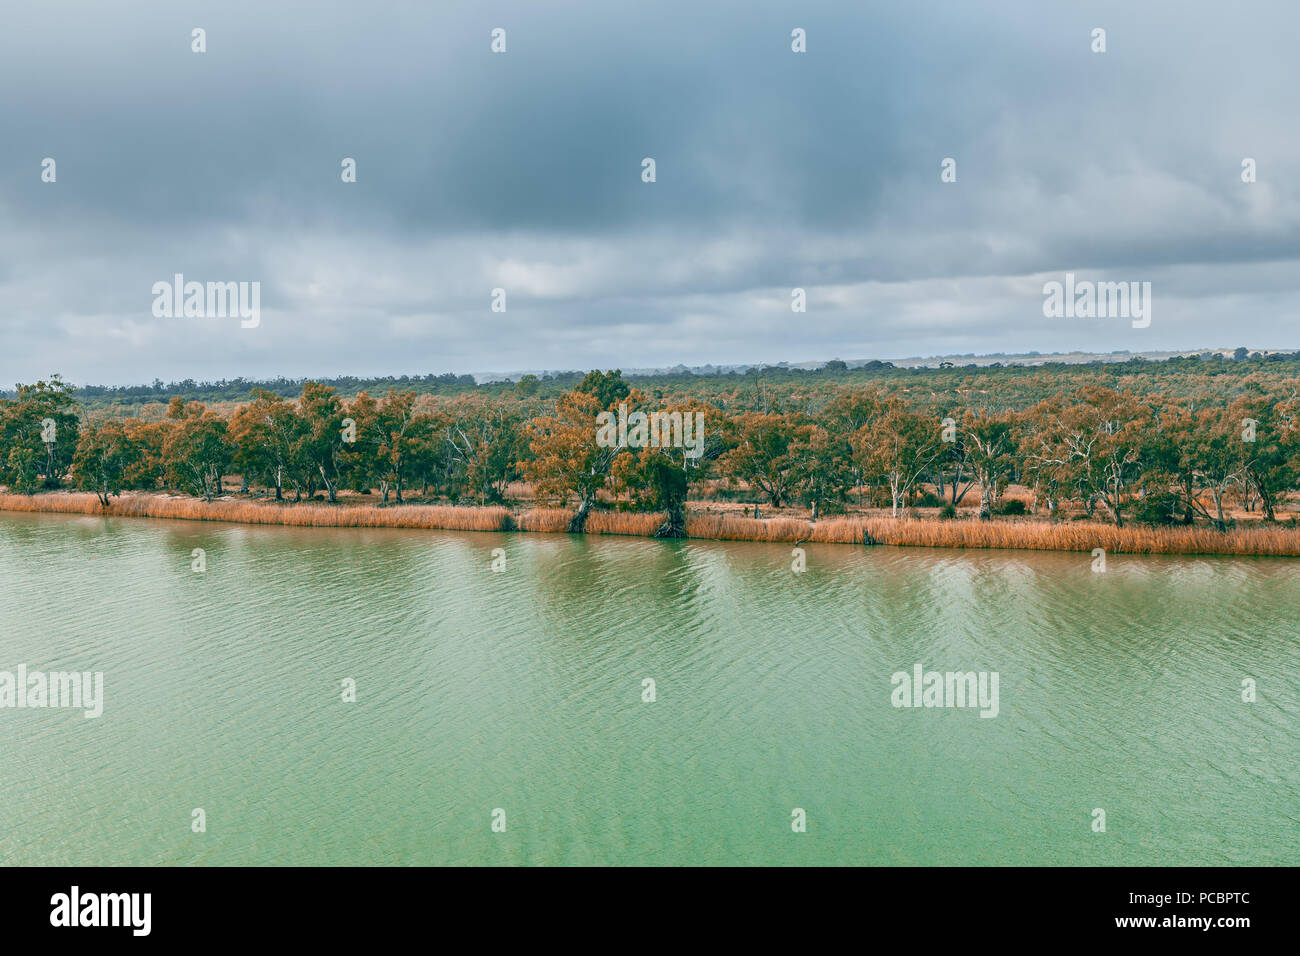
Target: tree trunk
1265 500
674 525
578 523
329 485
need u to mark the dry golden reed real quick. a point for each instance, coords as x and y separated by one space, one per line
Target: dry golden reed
624 522
1027 535
544 519
1269 540
440 517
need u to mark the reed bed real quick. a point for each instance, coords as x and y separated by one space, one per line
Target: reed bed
624 522
1266 540
544 520
1024 535
439 517
724 527
1084 536
556 520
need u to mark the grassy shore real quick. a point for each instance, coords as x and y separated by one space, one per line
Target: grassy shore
1031 534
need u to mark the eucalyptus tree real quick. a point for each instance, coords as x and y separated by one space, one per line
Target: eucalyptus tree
104 459
266 433
764 453
319 439
197 451
38 435
990 439
896 449
569 459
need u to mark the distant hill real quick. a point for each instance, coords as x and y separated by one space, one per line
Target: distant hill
705 377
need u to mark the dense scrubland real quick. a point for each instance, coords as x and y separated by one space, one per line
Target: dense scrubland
1188 455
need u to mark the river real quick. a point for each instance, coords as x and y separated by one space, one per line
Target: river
519 698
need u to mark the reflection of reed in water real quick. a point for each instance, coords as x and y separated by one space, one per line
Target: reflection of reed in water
1268 540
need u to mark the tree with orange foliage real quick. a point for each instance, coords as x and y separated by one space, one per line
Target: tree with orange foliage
568 461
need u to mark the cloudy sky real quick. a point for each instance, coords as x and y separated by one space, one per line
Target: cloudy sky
522 171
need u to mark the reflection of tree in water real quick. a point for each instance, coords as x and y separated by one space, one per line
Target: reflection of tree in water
615 588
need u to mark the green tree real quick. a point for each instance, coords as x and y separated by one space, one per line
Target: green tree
989 439
824 470
397 439
104 458
896 449
197 452
486 442
764 454
608 387
1215 455
38 435
319 445
265 434
1271 463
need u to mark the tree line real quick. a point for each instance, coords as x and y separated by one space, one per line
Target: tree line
1015 379
1100 451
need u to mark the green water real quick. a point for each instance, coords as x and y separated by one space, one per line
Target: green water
522 690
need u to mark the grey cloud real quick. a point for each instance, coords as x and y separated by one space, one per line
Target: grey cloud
522 171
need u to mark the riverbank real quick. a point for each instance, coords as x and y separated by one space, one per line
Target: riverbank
1022 534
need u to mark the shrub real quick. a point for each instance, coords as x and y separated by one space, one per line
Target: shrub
949 510
1012 506
1158 508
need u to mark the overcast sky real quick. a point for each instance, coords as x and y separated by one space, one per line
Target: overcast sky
522 171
